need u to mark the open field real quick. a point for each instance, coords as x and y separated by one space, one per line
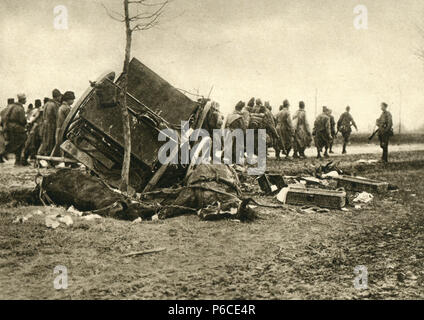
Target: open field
403 138
285 254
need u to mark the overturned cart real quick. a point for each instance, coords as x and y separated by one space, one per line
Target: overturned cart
93 134
93 131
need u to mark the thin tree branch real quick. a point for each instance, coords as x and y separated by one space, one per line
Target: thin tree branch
144 3
153 19
121 19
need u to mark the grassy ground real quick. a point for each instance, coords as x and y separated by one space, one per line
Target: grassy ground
284 255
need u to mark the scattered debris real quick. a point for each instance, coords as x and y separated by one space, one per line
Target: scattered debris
361 184
74 211
51 222
92 217
335 199
364 197
308 209
22 219
367 161
66 220
331 174
270 183
138 220
139 253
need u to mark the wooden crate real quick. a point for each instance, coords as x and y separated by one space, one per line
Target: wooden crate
318 197
361 184
271 183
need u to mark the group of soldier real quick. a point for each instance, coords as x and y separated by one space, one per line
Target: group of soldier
35 131
286 133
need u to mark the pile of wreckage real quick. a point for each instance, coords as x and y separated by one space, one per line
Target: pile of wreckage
92 135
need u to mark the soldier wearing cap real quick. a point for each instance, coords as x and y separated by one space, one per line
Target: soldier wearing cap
344 125
285 128
303 136
322 132
50 112
385 130
33 142
67 101
14 122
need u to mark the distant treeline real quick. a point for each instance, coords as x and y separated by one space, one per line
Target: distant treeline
404 138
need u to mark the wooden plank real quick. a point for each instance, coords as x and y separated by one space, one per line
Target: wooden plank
56 159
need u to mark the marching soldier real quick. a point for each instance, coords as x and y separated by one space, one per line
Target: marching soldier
33 140
3 135
14 122
67 101
344 125
285 128
322 132
303 136
235 121
251 104
333 129
49 123
385 130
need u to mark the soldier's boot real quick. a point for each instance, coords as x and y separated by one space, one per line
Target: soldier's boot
24 157
385 155
318 153
326 153
1 159
302 155
277 154
288 152
344 148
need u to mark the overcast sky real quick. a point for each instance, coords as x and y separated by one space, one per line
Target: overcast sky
272 49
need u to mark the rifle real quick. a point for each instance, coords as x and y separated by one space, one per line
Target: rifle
372 136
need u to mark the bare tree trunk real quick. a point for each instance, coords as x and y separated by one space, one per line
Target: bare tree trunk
125 174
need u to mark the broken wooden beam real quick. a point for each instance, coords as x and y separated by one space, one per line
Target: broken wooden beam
56 159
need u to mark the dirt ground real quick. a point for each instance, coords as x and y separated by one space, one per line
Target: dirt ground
285 254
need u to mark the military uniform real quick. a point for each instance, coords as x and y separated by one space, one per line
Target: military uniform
62 113
34 139
268 123
322 134
385 131
302 138
344 125
14 122
285 130
235 121
333 131
51 109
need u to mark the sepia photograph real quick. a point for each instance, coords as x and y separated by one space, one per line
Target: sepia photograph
234 151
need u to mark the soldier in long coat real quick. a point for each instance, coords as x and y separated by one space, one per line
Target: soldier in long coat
303 136
322 133
14 122
67 101
51 109
3 135
344 125
268 123
285 128
236 121
33 142
385 130
333 129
